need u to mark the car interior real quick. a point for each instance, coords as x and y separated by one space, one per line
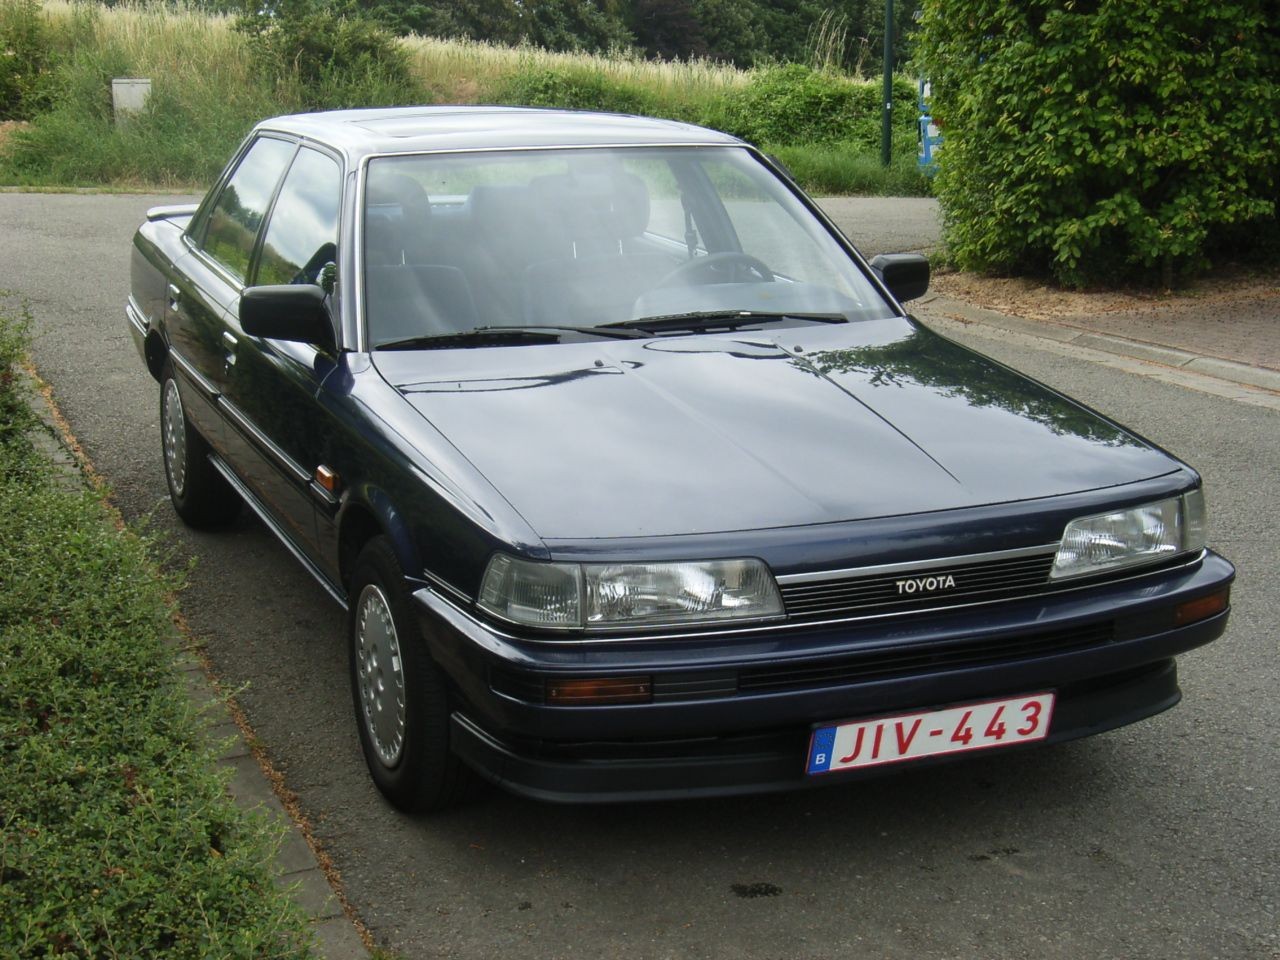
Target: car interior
563 243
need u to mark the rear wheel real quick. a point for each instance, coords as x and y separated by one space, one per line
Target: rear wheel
200 495
400 696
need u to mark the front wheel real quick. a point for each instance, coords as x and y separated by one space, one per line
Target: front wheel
200 495
400 696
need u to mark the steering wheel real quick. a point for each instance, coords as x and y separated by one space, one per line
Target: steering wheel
730 266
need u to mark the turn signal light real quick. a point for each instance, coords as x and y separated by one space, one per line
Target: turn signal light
596 691
1201 608
327 479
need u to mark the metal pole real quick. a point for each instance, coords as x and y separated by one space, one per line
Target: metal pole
886 130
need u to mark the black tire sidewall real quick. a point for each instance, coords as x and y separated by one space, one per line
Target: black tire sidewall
182 502
206 499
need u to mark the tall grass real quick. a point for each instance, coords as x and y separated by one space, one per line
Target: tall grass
846 168
463 71
205 96
207 91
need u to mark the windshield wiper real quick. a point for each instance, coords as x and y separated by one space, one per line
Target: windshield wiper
719 320
500 335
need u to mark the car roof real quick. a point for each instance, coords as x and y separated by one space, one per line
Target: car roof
361 133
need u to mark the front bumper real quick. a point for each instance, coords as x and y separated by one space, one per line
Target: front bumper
715 729
762 763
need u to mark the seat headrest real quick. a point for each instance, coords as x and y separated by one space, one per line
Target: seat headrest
611 206
397 194
396 217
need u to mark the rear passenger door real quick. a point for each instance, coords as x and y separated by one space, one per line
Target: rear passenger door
203 300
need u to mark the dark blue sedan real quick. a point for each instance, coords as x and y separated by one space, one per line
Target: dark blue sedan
634 478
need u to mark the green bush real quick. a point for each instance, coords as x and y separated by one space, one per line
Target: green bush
24 59
573 89
331 54
1102 141
795 104
117 837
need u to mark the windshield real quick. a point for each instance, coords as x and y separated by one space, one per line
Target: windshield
579 239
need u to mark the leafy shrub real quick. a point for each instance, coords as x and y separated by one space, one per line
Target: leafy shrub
15 417
573 89
24 59
796 104
118 837
332 54
1102 141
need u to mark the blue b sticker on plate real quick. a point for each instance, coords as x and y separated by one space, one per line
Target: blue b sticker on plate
824 742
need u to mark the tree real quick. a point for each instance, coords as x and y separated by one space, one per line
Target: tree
668 29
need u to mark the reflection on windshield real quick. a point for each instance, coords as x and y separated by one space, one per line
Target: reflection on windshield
923 359
590 237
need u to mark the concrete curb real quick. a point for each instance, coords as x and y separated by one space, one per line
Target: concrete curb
1232 371
296 867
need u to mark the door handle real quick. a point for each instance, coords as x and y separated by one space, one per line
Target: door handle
174 294
229 342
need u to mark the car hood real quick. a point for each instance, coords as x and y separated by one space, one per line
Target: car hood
751 430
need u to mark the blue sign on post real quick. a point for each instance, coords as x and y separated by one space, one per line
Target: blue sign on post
930 138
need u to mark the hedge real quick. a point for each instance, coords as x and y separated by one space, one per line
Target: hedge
1098 141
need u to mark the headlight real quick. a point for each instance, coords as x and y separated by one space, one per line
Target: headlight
569 595
1125 538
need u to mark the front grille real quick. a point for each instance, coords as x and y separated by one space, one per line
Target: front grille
906 661
908 590
866 665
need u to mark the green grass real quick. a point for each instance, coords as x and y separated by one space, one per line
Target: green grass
205 97
846 168
116 836
207 94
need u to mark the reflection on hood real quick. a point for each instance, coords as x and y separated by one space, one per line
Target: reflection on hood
926 360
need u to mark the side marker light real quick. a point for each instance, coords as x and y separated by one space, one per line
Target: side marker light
597 691
1201 608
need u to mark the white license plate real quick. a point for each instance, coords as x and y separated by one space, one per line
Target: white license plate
913 736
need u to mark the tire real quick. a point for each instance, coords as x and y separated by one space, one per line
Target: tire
400 695
200 495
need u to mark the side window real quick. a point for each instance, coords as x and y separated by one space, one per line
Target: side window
302 235
236 217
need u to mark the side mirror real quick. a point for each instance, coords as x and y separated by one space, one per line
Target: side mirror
905 274
287 312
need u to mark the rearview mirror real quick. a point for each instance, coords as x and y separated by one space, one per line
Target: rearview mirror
905 274
287 312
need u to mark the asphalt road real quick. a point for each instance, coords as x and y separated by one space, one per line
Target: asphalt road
1160 840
